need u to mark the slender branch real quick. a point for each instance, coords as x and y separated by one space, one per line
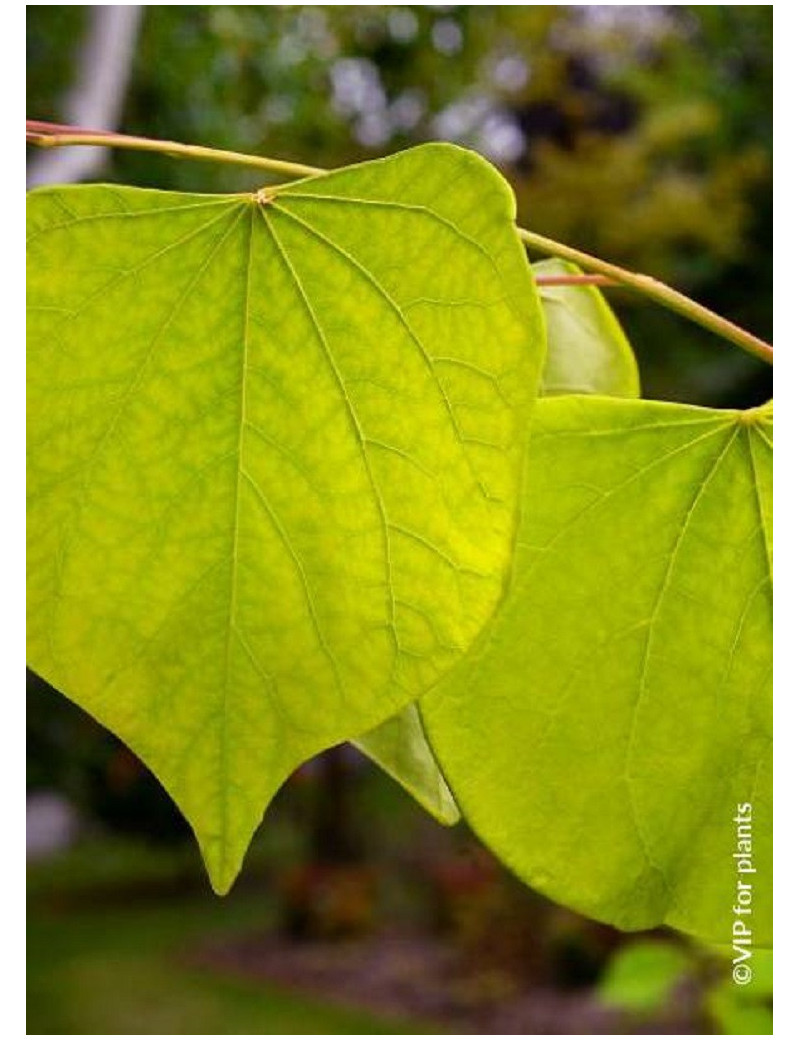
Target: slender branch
52 135
575 279
37 126
658 291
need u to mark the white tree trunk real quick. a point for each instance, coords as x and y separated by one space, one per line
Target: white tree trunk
98 95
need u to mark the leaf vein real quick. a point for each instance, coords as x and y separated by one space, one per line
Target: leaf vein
354 421
116 417
395 306
301 571
759 502
647 655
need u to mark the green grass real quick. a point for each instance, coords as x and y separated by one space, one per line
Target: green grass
104 965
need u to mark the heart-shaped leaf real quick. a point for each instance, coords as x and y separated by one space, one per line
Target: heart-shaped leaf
275 451
609 737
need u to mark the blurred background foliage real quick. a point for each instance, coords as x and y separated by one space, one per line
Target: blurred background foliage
642 134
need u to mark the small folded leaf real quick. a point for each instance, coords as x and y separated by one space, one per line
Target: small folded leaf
400 747
614 721
274 460
587 351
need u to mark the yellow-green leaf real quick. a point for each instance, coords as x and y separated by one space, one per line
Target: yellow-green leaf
614 721
274 457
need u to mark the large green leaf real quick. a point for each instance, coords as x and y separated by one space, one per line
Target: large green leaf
607 725
275 451
587 352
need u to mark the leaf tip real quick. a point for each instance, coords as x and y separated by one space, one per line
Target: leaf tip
222 867
448 815
221 886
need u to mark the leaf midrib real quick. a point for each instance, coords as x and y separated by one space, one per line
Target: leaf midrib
224 735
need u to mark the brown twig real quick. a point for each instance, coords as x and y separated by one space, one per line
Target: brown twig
574 279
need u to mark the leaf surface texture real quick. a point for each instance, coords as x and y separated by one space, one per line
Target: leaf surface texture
603 731
274 460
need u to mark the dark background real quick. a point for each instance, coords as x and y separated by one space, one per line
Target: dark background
641 134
